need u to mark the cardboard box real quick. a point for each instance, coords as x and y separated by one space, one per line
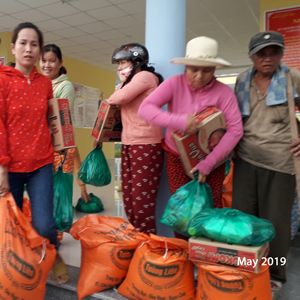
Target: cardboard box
192 148
246 258
60 123
108 125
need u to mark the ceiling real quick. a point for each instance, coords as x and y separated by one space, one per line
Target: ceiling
90 30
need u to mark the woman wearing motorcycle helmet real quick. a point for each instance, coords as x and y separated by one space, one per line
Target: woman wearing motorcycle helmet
142 154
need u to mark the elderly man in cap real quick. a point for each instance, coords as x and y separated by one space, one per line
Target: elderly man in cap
264 181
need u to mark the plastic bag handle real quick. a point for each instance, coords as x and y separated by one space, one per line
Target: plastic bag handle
43 252
165 256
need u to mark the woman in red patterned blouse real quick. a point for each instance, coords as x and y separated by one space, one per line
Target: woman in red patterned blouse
26 153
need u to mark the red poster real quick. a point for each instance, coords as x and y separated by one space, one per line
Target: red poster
287 22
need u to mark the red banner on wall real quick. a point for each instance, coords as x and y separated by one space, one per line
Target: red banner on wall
287 22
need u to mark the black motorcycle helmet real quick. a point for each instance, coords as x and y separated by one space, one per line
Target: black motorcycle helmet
134 52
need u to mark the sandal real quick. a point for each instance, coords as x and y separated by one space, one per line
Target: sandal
59 272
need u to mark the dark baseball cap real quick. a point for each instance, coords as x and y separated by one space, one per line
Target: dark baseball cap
265 39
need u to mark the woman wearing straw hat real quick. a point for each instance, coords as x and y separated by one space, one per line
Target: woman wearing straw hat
186 95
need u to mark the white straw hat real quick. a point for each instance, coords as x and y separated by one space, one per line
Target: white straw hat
201 51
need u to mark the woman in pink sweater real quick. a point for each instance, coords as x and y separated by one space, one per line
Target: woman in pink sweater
186 95
142 153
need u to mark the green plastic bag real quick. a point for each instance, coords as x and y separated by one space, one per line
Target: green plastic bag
231 226
94 169
185 203
63 193
93 206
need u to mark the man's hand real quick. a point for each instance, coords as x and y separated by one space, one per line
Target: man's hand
4 185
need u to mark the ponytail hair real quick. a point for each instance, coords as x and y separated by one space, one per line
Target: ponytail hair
62 70
152 70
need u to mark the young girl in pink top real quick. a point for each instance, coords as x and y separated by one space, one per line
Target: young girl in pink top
142 154
186 95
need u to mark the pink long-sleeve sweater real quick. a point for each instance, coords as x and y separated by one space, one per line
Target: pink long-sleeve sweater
183 101
135 129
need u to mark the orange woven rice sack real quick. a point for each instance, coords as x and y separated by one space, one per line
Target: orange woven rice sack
220 282
25 257
107 244
160 269
227 188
